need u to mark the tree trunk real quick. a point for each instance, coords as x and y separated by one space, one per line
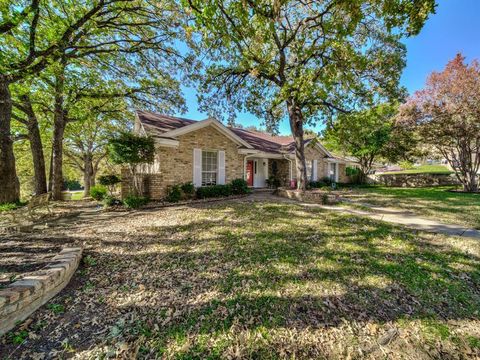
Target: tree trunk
50 171
296 125
88 175
35 147
9 184
58 134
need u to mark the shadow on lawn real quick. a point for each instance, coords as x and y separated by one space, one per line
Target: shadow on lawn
312 270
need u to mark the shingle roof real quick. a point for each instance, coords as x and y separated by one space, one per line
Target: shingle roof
157 124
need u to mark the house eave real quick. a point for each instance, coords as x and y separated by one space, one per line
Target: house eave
164 142
204 123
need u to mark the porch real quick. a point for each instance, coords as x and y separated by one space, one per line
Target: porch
258 168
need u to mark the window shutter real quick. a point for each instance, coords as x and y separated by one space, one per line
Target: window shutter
314 170
221 168
197 167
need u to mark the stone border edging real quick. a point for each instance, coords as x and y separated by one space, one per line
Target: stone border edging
21 298
312 196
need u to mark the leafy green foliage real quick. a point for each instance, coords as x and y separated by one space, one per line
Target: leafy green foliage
72 184
273 182
302 60
239 187
18 337
188 189
131 149
109 200
174 193
351 171
214 191
134 201
56 308
363 134
98 192
446 114
108 180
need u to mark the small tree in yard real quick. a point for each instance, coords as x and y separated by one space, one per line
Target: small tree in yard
109 181
446 114
132 150
368 135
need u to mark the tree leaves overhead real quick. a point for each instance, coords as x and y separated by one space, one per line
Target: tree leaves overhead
447 115
329 55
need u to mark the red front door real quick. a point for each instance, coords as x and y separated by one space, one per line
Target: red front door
250 172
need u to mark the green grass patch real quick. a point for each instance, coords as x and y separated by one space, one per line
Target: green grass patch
424 169
432 202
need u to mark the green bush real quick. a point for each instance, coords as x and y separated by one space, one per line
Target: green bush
134 202
352 171
109 200
326 181
188 189
98 192
107 180
174 193
71 185
214 191
12 206
239 187
406 165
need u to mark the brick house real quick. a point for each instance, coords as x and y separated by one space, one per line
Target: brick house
208 152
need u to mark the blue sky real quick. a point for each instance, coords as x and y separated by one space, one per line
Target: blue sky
454 28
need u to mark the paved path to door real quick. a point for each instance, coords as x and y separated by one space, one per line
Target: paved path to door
391 215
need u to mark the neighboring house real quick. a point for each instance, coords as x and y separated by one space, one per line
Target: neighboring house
208 153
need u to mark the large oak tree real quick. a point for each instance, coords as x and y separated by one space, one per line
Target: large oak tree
36 35
304 60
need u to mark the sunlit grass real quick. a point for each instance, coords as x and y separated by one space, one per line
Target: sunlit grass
434 202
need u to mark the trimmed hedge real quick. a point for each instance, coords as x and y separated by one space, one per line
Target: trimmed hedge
98 192
174 194
240 187
214 191
134 202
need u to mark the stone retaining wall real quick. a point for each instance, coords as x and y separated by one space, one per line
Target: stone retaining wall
312 196
21 298
414 180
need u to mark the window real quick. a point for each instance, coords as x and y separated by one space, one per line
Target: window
209 168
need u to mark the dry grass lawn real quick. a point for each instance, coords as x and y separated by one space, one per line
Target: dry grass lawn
257 280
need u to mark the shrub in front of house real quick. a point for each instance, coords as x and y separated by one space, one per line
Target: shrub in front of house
98 192
134 201
273 182
214 191
110 201
188 190
239 187
109 181
174 193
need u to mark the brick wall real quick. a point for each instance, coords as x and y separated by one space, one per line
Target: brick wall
175 165
283 170
21 298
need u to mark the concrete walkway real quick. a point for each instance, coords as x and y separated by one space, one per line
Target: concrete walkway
391 215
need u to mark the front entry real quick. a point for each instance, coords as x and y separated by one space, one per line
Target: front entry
250 172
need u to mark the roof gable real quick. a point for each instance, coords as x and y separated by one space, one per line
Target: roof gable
204 123
165 126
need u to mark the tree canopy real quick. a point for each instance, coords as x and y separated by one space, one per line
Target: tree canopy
303 60
446 113
370 135
89 58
